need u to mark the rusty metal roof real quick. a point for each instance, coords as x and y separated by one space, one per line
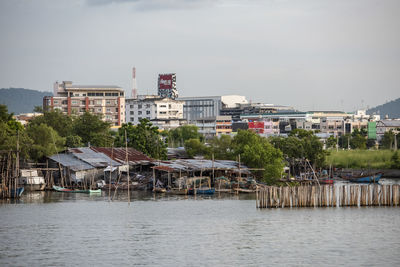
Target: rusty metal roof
119 154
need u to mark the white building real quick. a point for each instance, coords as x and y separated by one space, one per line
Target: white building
165 113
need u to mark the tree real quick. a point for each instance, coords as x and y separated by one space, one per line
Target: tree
256 152
61 123
92 129
395 160
38 109
387 141
358 141
46 141
183 133
221 147
331 142
144 137
12 132
195 147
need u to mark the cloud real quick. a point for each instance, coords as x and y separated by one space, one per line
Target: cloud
157 4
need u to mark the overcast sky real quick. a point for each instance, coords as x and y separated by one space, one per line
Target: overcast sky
310 54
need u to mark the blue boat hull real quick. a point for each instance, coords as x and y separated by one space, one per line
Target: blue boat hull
210 191
367 179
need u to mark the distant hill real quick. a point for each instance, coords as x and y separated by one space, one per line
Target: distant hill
392 109
20 100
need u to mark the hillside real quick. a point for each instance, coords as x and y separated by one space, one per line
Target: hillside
392 109
20 100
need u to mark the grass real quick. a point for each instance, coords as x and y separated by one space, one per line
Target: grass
360 159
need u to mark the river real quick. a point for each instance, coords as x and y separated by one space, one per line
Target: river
64 229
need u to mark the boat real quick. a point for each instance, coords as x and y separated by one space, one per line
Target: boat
159 190
177 191
370 178
95 191
201 191
68 190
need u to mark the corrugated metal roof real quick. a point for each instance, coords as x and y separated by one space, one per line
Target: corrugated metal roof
96 159
68 160
119 154
197 165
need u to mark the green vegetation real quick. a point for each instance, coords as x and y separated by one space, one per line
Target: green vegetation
144 137
361 159
178 137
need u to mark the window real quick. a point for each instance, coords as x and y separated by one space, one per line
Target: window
91 94
163 112
99 110
65 102
83 94
132 113
131 106
139 113
147 105
83 102
121 94
108 102
98 102
99 94
139 106
116 109
163 106
131 119
148 112
55 101
91 102
74 102
108 110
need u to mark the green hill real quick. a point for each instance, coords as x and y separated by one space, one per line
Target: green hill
392 109
20 100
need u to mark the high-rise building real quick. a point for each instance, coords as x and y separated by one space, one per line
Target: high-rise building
167 85
105 100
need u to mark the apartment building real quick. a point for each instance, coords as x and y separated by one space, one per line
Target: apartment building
165 113
108 101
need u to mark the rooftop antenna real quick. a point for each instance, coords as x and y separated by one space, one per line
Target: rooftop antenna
134 89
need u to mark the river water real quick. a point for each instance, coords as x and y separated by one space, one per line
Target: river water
64 229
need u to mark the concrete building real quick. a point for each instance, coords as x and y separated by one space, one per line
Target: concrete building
195 108
223 125
107 101
165 113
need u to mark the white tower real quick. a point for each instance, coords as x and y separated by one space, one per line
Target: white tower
134 89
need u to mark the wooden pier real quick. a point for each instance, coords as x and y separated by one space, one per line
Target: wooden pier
328 196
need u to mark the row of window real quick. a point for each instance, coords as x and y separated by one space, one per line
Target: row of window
132 119
139 112
106 94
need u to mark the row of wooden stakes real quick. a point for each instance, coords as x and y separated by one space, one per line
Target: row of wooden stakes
328 196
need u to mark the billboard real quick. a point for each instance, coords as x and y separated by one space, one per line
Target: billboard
167 85
165 81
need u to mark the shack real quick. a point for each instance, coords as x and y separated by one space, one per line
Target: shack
177 172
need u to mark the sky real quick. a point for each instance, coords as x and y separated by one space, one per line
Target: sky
309 54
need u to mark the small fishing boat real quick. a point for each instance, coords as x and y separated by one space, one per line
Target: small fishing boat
370 178
68 190
159 190
177 191
201 191
95 191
